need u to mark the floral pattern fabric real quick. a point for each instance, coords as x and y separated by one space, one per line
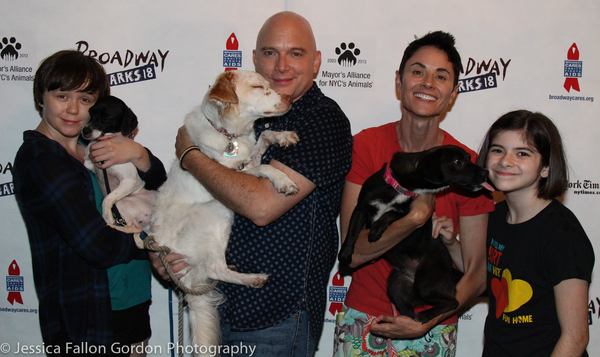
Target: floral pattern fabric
353 338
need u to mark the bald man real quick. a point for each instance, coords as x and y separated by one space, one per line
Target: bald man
292 238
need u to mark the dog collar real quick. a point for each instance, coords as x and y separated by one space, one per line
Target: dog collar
387 177
231 150
222 130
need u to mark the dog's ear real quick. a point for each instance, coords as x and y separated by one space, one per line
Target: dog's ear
96 110
429 167
223 90
129 123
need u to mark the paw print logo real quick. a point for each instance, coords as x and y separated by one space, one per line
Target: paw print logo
347 56
9 49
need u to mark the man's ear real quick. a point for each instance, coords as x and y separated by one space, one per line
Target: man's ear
316 64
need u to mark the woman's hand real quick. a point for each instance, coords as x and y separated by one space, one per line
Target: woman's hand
400 327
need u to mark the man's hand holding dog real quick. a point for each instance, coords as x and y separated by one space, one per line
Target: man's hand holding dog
175 261
113 149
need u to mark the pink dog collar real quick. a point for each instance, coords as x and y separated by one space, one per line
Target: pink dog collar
387 177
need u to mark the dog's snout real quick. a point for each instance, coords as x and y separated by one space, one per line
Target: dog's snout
286 97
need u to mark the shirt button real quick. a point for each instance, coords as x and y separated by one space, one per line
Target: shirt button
267 125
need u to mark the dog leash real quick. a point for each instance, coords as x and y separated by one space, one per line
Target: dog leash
391 351
181 289
115 211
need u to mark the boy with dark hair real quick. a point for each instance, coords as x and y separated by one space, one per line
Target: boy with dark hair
83 269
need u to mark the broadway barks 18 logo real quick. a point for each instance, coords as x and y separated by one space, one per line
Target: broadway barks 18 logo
492 70
147 63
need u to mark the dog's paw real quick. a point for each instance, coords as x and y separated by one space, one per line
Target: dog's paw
108 217
290 138
259 281
424 317
375 234
127 229
345 256
287 187
283 138
138 241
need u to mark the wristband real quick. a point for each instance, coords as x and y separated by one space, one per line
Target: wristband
185 152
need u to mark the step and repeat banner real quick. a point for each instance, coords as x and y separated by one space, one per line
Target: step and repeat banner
162 56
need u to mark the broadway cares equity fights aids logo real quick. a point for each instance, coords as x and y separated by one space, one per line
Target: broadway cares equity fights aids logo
146 63
337 295
232 58
573 69
14 283
572 72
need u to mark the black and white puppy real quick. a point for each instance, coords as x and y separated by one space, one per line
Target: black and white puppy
423 273
110 115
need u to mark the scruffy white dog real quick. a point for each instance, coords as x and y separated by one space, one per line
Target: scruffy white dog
188 219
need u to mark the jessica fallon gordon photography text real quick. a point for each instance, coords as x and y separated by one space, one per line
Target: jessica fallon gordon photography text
88 349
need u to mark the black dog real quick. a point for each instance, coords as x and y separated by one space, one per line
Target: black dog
110 115
423 273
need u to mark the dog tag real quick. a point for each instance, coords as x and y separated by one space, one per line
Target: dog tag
231 150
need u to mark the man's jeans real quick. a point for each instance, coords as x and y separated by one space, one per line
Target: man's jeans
290 337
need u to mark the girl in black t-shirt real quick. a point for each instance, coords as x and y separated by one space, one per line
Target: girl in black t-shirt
540 259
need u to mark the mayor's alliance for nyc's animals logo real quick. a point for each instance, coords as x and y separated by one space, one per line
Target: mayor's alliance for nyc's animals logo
349 56
10 51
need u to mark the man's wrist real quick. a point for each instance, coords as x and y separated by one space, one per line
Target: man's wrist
185 153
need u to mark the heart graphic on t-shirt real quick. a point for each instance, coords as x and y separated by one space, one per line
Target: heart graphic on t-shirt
510 294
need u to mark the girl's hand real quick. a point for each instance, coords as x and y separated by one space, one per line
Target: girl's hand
444 227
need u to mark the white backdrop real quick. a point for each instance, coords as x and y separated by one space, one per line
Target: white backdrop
164 55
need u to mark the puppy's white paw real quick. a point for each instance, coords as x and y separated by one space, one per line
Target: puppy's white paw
108 218
138 241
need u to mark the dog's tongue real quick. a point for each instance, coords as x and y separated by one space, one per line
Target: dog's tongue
488 187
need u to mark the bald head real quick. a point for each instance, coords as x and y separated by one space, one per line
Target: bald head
287 21
286 53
